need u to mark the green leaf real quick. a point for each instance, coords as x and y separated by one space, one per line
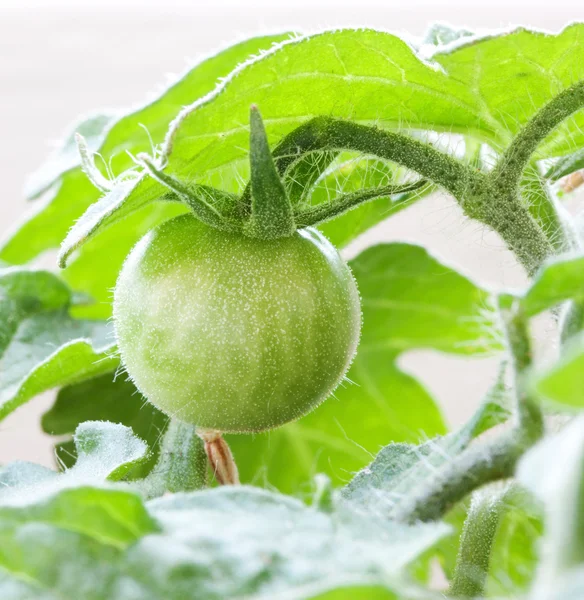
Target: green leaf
372 76
112 207
278 527
208 146
105 398
41 346
559 279
400 469
561 383
409 300
38 560
113 517
106 451
274 546
70 192
513 90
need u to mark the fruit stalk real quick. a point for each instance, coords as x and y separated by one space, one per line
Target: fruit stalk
219 456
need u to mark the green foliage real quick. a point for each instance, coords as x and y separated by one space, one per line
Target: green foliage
41 346
170 546
356 125
105 398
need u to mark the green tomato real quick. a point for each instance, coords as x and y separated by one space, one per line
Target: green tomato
233 333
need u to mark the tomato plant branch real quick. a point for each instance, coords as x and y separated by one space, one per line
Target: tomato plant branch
219 456
518 155
480 195
490 460
478 534
324 212
329 134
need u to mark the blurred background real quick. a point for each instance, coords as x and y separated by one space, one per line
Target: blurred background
63 58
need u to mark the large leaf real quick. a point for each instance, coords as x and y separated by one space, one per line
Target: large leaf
31 493
365 75
373 76
105 398
274 546
72 193
409 300
41 346
76 535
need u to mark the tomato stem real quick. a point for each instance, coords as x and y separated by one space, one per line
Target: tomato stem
341 204
495 458
219 456
519 154
486 510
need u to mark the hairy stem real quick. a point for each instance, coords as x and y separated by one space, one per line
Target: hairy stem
505 214
476 541
326 133
528 416
480 464
482 197
219 456
494 459
344 203
519 153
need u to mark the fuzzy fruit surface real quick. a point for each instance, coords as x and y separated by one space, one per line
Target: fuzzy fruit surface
233 333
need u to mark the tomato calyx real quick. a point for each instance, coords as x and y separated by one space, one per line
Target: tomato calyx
268 208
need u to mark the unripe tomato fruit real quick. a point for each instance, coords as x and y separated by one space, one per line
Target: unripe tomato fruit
233 333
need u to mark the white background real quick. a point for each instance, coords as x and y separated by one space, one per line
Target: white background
59 59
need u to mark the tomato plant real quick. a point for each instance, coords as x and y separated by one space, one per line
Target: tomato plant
223 234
